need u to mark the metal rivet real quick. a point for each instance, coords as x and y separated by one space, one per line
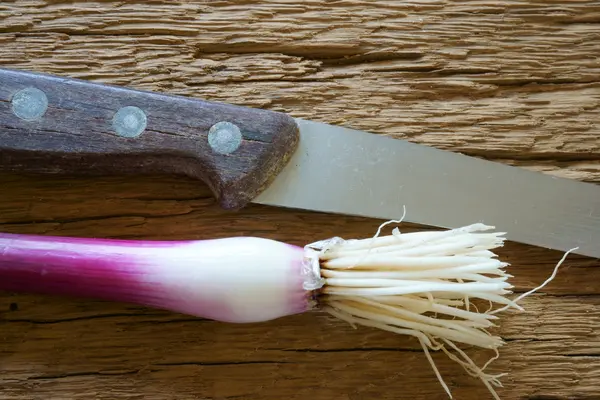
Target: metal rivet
129 122
224 137
29 104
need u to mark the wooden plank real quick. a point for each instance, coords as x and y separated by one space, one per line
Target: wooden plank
514 81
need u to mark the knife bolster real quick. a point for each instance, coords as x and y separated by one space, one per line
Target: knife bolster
95 129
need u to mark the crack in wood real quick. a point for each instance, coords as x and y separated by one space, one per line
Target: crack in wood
81 374
95 218
219 363
582 355
351 350
79 319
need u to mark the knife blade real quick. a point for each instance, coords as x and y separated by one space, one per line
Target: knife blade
52 124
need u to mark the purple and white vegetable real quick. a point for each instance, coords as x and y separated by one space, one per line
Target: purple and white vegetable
420 284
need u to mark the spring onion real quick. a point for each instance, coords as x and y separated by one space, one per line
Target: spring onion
422 284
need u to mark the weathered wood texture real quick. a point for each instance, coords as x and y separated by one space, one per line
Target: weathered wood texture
78 110
515 81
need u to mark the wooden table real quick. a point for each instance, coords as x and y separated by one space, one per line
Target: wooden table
517 82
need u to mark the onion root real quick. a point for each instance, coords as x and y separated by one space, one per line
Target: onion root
422 284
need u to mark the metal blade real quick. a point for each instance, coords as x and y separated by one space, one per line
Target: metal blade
344 171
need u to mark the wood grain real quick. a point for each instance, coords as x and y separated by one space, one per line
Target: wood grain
513 81
76 135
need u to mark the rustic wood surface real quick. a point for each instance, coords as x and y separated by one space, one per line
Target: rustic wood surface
514 81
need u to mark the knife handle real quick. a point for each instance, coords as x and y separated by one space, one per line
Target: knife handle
56 125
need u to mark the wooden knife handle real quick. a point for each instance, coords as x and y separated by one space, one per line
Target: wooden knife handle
50 124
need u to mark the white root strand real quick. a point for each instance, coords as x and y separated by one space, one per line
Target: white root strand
409 287
423 284
493 268
377 261
452 245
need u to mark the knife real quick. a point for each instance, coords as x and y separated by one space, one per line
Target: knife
57 125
